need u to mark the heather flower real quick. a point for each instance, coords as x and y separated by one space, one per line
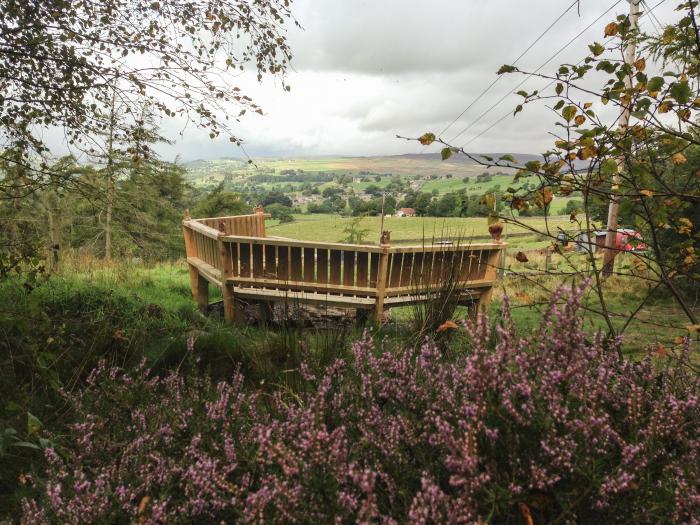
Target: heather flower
553 422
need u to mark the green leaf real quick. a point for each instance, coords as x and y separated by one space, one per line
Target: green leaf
507 157
681 92
606 66
609 167
559 105
597 49
33 424
445 153
569 112
559 88
505 68
522 93
518 109
26 444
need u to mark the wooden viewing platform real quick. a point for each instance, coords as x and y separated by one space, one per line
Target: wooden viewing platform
234 254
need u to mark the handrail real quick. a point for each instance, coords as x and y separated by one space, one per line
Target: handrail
267 215
278 241
203 229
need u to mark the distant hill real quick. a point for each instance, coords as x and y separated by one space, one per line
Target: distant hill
406 164
521 158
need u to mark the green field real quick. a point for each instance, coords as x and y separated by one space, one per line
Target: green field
329 228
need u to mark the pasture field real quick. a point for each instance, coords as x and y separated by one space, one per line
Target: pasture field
327 227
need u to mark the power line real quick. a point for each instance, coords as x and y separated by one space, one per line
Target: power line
501 119
575 2
504 97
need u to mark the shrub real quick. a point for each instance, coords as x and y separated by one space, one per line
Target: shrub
550 427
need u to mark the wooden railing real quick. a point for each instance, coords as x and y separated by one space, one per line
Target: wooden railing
234 254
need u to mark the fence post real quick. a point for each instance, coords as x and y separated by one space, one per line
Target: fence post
384 243
198 284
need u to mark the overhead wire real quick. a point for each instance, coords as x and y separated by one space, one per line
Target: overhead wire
506 115
498 78
561 49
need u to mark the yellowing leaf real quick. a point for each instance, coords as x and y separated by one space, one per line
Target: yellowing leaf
585 153
427 139
646 193
678 159
526 514
685 226
611 29
693 328
665 107
640 64
447 325
579 120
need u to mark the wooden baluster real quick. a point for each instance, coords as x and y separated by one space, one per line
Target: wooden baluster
295 264
395 262
244 257
417 274
336 263
373 270
407 269
309 265
348 268
362 269
270 262
322 266
258 270
233 248
283 263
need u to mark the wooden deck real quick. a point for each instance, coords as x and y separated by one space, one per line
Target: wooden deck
234 254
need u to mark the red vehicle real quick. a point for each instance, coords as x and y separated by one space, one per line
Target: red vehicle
629 241
626 240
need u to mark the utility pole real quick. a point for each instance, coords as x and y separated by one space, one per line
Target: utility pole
630 57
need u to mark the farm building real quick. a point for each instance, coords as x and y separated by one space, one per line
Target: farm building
406 212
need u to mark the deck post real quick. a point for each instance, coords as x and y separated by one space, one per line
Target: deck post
232 312
384 242
491 274
260 218
198 284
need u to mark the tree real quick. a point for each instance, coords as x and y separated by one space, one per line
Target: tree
280 212
354 233
220 202
62 62
649 164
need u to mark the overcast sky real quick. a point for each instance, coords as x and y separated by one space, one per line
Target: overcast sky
367 70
